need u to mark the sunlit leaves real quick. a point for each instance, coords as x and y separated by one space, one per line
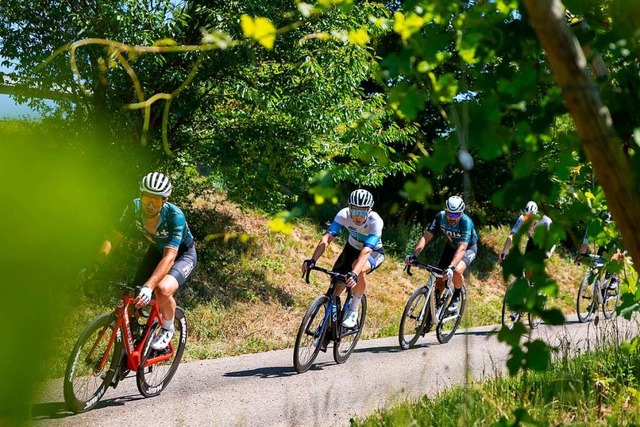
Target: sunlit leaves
407 101
359 36
259 29
445 87
418 190
408 25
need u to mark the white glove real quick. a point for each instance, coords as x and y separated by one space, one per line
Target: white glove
145 294
449 272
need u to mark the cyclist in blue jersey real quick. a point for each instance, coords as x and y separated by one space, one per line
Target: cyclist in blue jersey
362 253
612 248
171 256
532 219
461 248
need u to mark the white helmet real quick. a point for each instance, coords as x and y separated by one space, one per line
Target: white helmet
361 198
531 208
454 204
156 183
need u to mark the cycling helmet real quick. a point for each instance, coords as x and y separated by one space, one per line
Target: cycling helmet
156 183
361 198
606 217
454 204
531 208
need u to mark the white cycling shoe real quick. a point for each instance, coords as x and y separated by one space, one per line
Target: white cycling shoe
161 341
350 319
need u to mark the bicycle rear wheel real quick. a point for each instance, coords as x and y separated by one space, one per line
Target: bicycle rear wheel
413 318
155 371
509 318
311 334
449 321
586 302
610 298
349 336
534 319
92 364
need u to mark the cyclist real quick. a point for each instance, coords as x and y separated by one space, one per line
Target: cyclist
171 256
617 256
461 248
362 253
531 218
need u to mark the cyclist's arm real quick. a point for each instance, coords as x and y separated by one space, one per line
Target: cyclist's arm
424 241
507 246
457 257
362 260
112 242
162 269
322 246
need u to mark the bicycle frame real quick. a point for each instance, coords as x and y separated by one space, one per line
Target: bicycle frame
331 317
434 273
123 326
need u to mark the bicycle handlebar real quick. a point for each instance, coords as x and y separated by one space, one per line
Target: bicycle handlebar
333 274
430 268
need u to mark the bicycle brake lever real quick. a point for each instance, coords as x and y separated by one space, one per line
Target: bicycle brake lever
306 275
408 268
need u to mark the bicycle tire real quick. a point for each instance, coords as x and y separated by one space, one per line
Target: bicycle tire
349 337
413 320
610 296
444 335
152 379
586 292
310 338
509 318
84 386
534 319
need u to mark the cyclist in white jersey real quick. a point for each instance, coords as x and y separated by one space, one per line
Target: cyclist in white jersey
363 252
533 219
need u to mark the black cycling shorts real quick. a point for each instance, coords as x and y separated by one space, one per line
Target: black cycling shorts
182 268
349 255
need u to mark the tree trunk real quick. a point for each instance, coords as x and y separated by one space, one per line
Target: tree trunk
591 118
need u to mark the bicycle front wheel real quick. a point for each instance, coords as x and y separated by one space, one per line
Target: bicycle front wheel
311 334
157 367
586 302
450 320
413 318
610 298
92 364
349 336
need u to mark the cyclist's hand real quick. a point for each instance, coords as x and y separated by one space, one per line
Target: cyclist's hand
410 259
144 297
307 264
448 273
352 279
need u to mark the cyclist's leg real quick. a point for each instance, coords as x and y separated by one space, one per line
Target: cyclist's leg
443 263
343 264
147 266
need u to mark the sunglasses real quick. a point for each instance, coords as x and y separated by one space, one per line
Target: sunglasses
360 212
454 215
154 201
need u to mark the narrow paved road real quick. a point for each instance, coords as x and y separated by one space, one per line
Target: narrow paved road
264 390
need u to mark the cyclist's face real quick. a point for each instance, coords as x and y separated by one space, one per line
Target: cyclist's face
151 204
359 214
453 218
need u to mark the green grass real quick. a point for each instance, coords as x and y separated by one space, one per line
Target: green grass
597 388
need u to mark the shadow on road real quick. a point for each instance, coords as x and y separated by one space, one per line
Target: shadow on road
267 372
480 333
55 410
383 349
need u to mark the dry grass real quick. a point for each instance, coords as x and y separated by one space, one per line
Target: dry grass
258 320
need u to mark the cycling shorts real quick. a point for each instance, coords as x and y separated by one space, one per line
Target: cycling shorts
181 270
349 255
449 251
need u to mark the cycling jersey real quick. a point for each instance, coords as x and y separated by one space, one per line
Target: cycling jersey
368 234
463 232
172 231
545 221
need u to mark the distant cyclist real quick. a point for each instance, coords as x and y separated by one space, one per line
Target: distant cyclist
363 252
171 256
461 248
530 218
612 247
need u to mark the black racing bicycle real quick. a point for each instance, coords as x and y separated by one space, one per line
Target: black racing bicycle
425 308
322 324
598 287
510 317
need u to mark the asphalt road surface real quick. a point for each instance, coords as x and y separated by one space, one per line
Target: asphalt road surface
264 390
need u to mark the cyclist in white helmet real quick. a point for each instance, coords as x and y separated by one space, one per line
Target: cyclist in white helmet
363 252
612 248
531 218
461 248
171 256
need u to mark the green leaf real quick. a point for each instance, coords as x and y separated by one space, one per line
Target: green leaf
259 29
359 37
